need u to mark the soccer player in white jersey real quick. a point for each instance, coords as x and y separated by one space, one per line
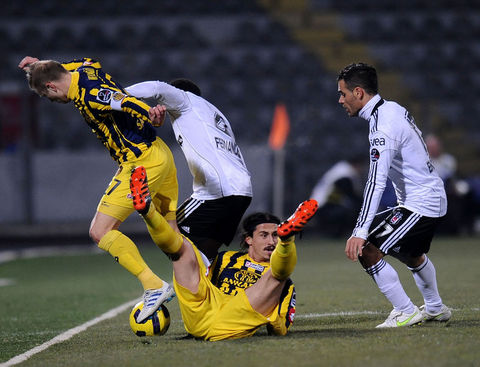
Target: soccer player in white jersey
222 189
397 151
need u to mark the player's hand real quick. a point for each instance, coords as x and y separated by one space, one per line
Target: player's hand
26 62
354 246
157 114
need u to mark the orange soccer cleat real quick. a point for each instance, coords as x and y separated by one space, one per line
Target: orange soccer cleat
298 220
139 189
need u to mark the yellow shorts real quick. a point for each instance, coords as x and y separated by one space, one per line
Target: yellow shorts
213 315
162 181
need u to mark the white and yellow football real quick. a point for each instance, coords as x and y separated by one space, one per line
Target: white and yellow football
157 324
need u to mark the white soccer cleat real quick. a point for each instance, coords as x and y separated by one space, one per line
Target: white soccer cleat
153 299
442 316
399 319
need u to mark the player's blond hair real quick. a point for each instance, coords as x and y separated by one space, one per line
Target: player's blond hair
42 72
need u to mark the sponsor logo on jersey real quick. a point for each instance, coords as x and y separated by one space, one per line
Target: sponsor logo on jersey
397 217
377 142
245 276
254 266
91 73
104 95
220 124
228 146
180 140
118 96
186 229
374 155
233 278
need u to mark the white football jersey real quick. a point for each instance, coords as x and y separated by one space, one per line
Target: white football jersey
397 151
206 139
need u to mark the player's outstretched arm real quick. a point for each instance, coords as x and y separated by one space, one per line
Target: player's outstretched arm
26 62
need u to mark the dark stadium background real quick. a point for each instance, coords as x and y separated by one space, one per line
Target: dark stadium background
247 56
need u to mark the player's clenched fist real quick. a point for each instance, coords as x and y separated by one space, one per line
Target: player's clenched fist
157 114
26 61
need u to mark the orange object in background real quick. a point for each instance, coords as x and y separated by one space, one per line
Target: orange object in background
280 127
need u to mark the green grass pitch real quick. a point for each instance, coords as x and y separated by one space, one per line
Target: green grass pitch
338 306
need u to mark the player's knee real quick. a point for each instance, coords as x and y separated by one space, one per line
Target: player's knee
370 255
108 239
96 234
413 261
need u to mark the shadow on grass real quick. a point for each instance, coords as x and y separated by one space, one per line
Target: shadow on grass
341 320
332 333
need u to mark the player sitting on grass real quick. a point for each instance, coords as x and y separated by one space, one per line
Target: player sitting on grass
241 291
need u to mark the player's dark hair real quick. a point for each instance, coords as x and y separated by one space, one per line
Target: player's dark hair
186 85
251 222
360 75
42 72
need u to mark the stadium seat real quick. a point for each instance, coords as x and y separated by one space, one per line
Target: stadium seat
62 38
32 40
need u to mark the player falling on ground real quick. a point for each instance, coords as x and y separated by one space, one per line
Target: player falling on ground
397 151
122 124
222 189
241 292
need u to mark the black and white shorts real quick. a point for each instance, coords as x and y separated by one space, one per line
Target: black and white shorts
404 232
216 219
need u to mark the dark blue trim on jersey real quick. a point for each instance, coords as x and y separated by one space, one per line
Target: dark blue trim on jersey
126 131
368 194
284 294
216 269
375 115
375 108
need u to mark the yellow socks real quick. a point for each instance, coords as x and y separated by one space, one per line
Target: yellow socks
126 254
162 234
284 258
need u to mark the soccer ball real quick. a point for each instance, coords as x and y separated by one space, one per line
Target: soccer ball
157 324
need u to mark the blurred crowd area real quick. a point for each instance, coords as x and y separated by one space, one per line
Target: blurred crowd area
247 56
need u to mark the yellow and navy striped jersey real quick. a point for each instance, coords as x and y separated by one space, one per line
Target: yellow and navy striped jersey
119 120
233 270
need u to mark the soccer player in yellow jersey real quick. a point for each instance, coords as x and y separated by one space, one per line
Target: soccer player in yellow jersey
122 124
242 291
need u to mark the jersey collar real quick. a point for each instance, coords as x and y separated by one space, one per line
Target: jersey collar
370 107
73 89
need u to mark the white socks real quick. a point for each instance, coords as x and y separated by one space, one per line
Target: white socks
426 280
387 280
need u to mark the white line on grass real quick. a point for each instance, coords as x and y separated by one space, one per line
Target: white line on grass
68 334
5 282
356 313
34 252
115 311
